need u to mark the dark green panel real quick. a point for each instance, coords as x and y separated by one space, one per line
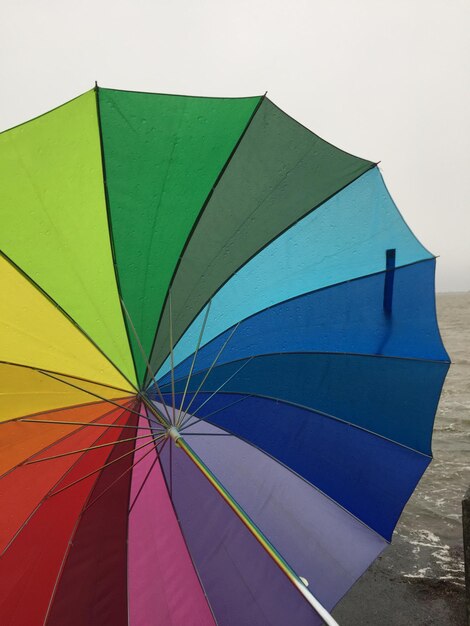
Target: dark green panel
279 173
162 157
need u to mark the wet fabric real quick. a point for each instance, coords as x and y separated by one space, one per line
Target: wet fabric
212 266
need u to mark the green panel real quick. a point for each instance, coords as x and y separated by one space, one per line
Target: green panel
162 157
54 224
280 172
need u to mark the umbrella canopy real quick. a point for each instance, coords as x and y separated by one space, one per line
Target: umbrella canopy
219 362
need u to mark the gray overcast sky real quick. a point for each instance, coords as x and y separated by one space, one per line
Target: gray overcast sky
387 81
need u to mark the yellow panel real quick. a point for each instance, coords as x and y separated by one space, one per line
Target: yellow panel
24 391
34 332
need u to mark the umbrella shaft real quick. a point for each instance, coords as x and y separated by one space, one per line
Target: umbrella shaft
251 526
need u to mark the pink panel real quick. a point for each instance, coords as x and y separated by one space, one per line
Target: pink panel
163 586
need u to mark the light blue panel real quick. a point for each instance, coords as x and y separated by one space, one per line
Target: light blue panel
345 238
348 317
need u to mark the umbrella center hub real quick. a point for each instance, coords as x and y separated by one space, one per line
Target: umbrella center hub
174 433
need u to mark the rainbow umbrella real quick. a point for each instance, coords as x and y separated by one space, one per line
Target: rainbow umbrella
219 360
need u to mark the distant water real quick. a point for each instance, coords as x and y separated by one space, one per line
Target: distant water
419 579
431 525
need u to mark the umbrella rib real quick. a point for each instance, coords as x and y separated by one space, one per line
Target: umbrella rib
129 392
187 422
62 422
55 493
148 472
193 362
63 438
223 408
147 364
124 473
162 422
81 405
48 494
102 445
172 504
209 371
172 361
186 434
91 393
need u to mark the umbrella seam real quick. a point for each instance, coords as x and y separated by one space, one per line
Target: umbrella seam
196 571
198 218
110 231
67 316
323 414
292 471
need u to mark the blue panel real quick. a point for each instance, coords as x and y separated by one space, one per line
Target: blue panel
395 398
349 317
369 476
345 238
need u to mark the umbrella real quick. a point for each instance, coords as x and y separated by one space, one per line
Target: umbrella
220 364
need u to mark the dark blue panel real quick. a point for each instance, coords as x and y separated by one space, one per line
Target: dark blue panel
395 398
349 317
369 476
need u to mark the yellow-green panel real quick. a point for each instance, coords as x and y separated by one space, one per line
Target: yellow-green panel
34 332
24 391
54 222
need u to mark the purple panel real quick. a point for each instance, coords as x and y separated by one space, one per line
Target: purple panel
321 541
243 585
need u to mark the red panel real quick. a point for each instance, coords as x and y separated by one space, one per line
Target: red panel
93 586
30 566
23 489
19 440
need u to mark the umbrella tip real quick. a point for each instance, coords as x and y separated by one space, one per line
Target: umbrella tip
96 84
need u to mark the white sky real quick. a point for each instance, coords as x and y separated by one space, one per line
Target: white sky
387 81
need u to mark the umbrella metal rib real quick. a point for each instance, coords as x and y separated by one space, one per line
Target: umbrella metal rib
193 362
172 359
187 423
209 371
147 364
155 439
65 423
127 471
91 393
101 445
52 492
148 474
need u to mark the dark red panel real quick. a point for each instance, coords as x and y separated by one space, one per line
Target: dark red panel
23 489
30 566
92 590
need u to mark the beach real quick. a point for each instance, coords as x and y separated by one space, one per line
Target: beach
419 579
